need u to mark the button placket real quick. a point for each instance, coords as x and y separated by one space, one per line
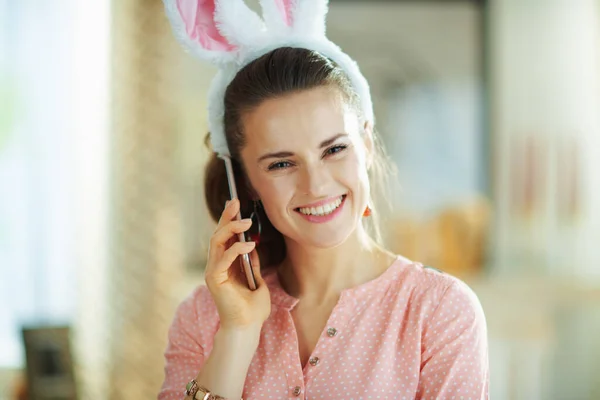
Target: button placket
289 361
340 316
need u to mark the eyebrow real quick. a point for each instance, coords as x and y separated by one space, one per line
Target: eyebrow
283 154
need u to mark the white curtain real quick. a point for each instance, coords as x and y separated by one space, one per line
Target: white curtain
53 141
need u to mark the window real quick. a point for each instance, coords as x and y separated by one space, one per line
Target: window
52 116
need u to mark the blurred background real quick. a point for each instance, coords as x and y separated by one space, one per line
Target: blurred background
490 109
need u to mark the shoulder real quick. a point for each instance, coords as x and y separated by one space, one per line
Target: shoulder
422 279
436 291
197 315
198 303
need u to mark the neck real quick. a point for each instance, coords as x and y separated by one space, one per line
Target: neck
319 275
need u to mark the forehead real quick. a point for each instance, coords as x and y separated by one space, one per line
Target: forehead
304 118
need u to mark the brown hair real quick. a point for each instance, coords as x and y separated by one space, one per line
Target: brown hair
278 73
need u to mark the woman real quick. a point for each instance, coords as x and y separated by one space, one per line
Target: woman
335 315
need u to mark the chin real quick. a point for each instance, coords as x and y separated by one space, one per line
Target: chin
326 241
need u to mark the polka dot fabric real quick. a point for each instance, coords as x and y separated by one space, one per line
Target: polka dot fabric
411 333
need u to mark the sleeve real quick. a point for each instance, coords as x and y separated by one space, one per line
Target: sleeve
184 355
454 359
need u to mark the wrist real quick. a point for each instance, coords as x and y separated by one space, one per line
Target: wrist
229 360
246 338
245 332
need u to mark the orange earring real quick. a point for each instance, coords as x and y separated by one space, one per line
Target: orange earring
367 212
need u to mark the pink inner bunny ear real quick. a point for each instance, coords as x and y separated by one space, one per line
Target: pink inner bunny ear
285 8
199 19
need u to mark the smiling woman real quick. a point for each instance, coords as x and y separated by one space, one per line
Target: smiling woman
334 314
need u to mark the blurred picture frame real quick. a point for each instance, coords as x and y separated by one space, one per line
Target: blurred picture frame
49 363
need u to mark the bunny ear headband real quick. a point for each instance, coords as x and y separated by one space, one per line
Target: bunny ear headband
230 35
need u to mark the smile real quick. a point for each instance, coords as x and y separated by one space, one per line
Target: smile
323 209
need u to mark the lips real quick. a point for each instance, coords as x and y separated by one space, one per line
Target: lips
322 208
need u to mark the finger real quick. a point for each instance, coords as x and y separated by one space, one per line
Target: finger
220 240
229 213
229 257
230 242
223 234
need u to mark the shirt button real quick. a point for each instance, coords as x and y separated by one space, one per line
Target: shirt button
331 332
314 361
297 390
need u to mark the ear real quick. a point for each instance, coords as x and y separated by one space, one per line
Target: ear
369 143
303 17
206 28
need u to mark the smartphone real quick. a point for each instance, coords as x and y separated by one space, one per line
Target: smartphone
245 259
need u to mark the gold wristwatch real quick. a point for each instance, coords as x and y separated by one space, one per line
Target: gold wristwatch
200 393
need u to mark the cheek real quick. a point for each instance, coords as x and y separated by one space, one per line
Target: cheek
353 171
275 193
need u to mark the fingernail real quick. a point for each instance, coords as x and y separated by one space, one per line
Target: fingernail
226 203
250 244
246 220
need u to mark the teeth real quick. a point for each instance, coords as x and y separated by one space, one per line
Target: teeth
322 210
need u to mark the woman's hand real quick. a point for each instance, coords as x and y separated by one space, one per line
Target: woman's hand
239 307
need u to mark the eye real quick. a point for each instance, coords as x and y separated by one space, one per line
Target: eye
335 149
279 165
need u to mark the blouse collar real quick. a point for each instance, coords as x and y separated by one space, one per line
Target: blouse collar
358 295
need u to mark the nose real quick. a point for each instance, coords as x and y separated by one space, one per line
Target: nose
314 180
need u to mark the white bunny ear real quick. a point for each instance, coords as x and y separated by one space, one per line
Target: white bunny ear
309 17
297 17
211 29
238 23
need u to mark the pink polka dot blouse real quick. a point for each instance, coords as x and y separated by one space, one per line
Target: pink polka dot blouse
411 333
